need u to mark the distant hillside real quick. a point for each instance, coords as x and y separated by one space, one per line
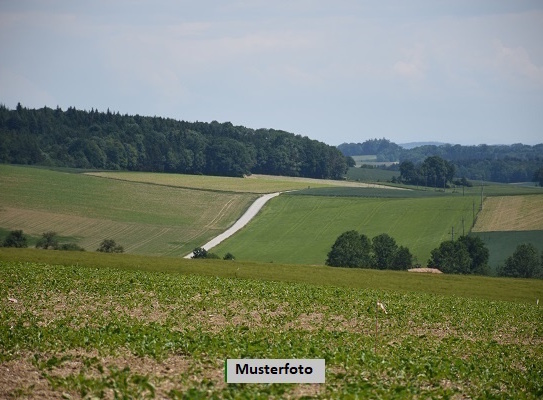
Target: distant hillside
105 140
384 149
412 145
497 163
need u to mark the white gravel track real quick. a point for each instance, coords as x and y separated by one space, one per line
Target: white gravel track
240 223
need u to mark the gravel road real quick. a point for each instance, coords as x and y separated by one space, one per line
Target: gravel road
240 223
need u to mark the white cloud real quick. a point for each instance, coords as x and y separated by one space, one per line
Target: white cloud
517 64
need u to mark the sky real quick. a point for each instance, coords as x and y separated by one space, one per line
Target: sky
458 71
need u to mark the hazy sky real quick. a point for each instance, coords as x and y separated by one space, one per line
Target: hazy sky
458 71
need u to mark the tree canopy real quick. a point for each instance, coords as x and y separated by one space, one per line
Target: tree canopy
106 140
466 255
523 263
355 250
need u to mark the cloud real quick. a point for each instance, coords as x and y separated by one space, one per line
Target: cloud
516 63
18 88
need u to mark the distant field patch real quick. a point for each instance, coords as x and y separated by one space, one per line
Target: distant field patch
371 174
145 219
501 245
302 229
511 213
251 184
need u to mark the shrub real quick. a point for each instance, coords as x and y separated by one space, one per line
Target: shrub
15 239
71 247
109 246
48 241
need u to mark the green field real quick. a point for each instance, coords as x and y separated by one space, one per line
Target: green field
371 174
302 229
502 244
144 218
73 331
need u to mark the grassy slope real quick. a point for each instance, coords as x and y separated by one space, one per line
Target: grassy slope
86 332
302 229
507 221
144 218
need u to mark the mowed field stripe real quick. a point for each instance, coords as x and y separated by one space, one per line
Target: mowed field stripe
511 213
136 238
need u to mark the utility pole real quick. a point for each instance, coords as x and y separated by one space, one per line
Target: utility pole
473 223
482 196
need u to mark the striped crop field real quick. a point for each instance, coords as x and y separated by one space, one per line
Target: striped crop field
302 229
511 213
143 218
250 184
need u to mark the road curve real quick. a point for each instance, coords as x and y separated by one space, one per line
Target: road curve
240 223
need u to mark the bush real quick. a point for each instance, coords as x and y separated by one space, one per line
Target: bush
48 241
199 252
109 246
229 256
15 239
70 247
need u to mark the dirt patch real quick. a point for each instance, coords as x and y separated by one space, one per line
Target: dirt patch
426 270
511 213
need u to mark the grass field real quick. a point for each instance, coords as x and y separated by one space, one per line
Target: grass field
511 213
502 244
150 219
73 331
302 229
371 174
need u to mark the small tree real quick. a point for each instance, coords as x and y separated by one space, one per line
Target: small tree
538 176
384 251
48 241
229 256
15 239
523 263
109 246
478 253
350 249
403 259
451 257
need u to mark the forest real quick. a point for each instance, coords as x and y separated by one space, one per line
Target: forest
497 163
107 140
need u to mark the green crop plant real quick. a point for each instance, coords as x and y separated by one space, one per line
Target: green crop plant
93 332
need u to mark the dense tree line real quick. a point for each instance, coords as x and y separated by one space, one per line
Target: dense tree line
106 140
384 149
466 255
434 172
497 163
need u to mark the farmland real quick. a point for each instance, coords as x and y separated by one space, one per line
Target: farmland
145 219
250 184
507 221
302 229
511 213
91 332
